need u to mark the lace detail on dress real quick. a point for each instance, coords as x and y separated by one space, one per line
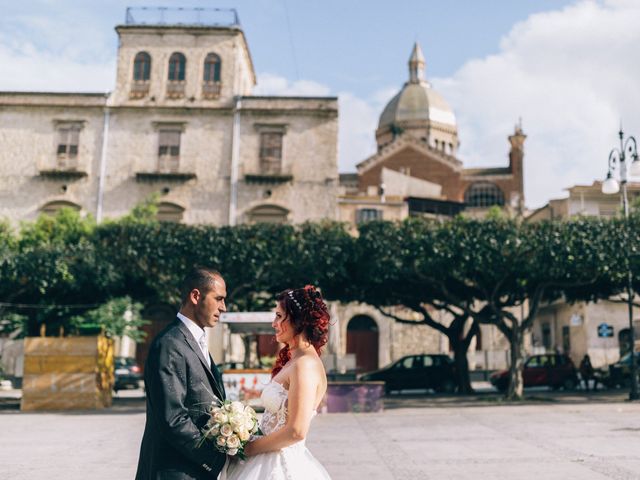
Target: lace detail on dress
274 398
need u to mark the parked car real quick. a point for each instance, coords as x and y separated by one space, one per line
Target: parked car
435 372
128 373
549 370
618 374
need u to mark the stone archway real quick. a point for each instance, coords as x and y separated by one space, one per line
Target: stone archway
363 341
624 343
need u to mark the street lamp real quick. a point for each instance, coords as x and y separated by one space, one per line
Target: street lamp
617 158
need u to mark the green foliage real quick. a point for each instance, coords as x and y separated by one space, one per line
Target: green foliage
13 325
116 318
66 227
144 212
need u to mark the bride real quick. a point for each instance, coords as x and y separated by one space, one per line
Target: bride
291 399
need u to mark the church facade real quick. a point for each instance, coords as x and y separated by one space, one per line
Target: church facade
416 170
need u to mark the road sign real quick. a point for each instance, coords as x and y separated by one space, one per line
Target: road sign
605 330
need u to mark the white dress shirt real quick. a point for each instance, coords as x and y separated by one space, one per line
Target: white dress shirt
200 336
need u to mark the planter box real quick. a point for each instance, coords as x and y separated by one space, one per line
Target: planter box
354 397
72 373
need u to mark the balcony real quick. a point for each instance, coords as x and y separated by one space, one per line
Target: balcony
168 171
180 16
66 174
270 172
175 89
167 177
139 89
211 90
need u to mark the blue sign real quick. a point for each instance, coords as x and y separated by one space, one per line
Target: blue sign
605 330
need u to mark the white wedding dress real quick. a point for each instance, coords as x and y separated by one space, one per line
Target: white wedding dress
294 462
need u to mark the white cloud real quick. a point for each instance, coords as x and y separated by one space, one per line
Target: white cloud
272 84
572 77
28 69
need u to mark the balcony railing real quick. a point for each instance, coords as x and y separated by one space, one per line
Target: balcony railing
211 90
177 16
139 89
175 89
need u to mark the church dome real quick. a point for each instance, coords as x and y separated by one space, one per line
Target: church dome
417 101
419 109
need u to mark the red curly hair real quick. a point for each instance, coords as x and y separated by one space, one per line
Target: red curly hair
308 313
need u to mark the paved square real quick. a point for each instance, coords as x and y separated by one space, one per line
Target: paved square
545 440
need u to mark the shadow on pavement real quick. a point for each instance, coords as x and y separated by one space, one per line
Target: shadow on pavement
492 399
122 405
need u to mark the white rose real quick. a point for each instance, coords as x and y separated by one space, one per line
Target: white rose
233 441
221 441
249 424
236 421
227 407
232 452
255 428
220 418
215 430
249 411
215 409
244 435
237 407
226 430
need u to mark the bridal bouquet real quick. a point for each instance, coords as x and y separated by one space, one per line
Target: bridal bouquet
230 427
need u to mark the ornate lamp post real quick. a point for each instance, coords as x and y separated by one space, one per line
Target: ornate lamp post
618 158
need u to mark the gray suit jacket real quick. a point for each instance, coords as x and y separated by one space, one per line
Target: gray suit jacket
180 386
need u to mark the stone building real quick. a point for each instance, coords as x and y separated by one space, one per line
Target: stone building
182 122
574 328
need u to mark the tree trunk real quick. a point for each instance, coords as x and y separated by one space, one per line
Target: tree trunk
462 365
516 383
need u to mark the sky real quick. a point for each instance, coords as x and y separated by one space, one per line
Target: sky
568 70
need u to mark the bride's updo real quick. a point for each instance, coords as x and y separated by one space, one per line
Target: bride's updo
308 315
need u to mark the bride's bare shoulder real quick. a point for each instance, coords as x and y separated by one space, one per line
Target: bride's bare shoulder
308 364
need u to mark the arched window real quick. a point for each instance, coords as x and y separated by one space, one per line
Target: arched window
268 214
177 67
142 67
54 207
483 194
170 212
212 68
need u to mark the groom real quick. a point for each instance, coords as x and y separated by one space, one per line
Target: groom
181 381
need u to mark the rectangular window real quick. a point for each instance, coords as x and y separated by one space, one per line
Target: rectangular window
169 150
368 214
271 152
68 141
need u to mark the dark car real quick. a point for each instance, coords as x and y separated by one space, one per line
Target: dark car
549 370
619 373
435 372
128 373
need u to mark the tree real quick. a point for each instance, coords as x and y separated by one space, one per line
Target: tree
484 272
118 317
407 264
508 266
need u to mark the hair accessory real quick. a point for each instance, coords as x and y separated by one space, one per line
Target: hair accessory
290 293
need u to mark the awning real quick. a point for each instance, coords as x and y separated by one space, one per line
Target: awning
249 322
